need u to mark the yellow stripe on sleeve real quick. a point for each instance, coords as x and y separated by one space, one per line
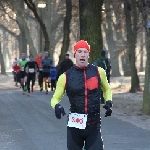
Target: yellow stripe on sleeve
59 92
105 85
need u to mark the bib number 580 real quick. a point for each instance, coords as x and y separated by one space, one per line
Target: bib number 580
77 120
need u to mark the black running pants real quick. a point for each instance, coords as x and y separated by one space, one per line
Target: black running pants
30 77
40 79
53 84
91 136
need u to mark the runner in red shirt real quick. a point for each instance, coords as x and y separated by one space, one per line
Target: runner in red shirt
16 69
40 76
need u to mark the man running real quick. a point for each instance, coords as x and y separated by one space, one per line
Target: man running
64 65
14 72
16 69
46 64
53 74
31 67
23 78
82 83
40 76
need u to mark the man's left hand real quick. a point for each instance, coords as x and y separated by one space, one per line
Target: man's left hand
108 106
59 110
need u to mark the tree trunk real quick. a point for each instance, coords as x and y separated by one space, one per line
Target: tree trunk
56 30
120 41
125 54
67 21
90 25
141 52
22 41
126 63
3 70
146 94
6 51
114 54
25 33
50 11
131 41
32 7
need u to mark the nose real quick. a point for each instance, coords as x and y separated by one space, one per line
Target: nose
82 54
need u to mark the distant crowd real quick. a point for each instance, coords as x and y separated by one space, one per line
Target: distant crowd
26 69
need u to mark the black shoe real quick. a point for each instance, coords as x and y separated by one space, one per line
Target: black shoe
46 92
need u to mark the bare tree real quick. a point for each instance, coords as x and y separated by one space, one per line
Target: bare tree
3 70
67 21
144 8
90 25
24 36
131 27
31 5
108 26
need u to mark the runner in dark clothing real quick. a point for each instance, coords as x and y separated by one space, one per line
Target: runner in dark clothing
31 68
46 64
64 65
82 83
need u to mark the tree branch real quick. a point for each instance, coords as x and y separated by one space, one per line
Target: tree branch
32 7
9 31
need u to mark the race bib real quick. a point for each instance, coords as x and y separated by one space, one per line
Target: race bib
22 68
77 120
31 70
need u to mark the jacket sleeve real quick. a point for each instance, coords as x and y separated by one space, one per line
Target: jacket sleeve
59 92
105 85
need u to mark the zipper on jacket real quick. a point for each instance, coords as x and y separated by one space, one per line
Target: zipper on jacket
85 93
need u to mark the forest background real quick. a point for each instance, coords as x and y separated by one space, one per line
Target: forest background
121 27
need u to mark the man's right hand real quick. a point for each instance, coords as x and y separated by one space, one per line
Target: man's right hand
59 110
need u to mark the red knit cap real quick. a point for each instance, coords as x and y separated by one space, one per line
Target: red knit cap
81 44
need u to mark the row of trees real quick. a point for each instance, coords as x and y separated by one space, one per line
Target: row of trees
116 25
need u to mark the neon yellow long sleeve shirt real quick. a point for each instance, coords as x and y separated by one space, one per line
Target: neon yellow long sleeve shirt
60 88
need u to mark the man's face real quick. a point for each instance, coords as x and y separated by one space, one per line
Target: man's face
23 55
81 56
46 55
67 57
31 58
40 55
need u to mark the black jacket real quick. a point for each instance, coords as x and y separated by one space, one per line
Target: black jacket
83 90
31 65
64 66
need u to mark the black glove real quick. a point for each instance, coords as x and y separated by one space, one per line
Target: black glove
59 110
108 106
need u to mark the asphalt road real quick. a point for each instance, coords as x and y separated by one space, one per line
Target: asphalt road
29 123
